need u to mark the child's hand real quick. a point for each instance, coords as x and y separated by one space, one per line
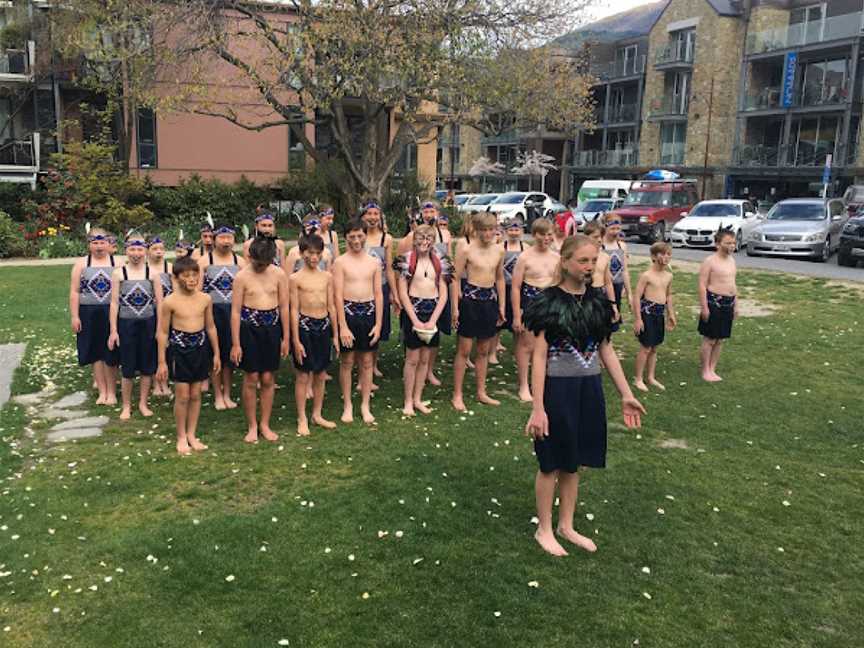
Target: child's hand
374 334
236 355
537 426
454 317
346 337
284 348
632 410
735 310
113 341
162 372
638 326
672 322
705 313
336 345
76 324
217 365
518 326
299 352
501 317
615 314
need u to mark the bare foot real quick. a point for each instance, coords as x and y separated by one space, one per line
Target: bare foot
100 400
373 388
183 447
458 404
549 543
493 359
220 404
230 404
267 433
251 435
709 377
640 385
368 419
408 410
487 399
578 539
433 379
145 410
327 377
319 420
125 414
525 395
302 428
422 407
196 444
500 348
347 415
715 376
111 399
377 372
657 384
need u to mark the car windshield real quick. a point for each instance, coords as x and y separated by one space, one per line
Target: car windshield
716 210
597 205
797 212
461 200
649 198
510 199
482 200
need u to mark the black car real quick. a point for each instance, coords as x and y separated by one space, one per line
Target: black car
851 241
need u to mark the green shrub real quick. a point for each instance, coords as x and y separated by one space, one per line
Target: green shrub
12 241
61 246
12 197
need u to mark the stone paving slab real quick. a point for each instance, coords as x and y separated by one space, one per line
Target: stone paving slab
10 358
53 413
72 400
89 421
77 433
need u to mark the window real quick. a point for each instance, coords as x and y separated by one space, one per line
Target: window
146 131
811 22
296 154
683 44
626 58
824 82
408 159
672 142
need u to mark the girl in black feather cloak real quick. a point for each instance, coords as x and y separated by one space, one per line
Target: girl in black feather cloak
572 325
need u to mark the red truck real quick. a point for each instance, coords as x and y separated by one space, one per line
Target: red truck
653 206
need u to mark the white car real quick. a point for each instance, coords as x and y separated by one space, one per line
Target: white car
477 202
697 229
595 208
515 204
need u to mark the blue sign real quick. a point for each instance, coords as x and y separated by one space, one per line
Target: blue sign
788 94
826 175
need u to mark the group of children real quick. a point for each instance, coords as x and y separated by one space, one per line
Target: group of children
213 311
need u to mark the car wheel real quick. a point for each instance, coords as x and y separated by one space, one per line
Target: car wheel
738 241
826 252
845 259
658 232
750 252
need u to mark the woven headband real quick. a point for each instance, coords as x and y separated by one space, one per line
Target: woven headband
328 212
371 205
224 229
429 205
155 241
135 243
312 223
264 217
97 237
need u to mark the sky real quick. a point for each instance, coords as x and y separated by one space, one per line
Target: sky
601 8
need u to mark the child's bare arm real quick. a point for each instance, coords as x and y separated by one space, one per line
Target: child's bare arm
74 295
538 423
640 292
212 335
628 288
631 408
237 296
331 309
338 294
408 307
670 306
114 309
702 289
294 300
378 291
163 323
458 271
515 293
284 313
442 300
501 287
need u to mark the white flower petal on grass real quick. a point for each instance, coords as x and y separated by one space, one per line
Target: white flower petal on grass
646 570
661 511
108 579
365 595
399 534
93 588
535 520
533 584
351 557
229 578
416 561
715 509
646 595
56 610
383 534
589 516
496 613
787 503
263 548
327 550
283 642
781 550
671 498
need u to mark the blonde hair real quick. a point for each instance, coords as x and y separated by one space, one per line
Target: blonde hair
485 221
424 230
659 248
568 249
593 226
468 226
541 226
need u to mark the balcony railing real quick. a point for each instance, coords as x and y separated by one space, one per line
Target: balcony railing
810 95
806 156
628 157
672 152
14 61
669 107
766 99
619 69
757 155
675 53
509 137
622 113
17 153
799 34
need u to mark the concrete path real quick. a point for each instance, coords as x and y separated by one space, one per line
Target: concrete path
10 358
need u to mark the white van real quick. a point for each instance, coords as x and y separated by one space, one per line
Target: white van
614 189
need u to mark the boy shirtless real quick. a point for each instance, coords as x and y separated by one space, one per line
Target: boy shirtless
360 310
534 271
185 328
312 316
218 269
294 261
718 305
422 286
380 245
478 309
619 261
259 332
601 280
265 226
651 304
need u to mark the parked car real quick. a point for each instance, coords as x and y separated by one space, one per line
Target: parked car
853 198
802 227
698 228
478 202
653 206
560 214
591 189
525 205
591 210
851 242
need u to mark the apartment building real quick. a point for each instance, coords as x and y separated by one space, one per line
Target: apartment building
751 98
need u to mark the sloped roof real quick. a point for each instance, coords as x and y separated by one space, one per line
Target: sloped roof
727 7
631 24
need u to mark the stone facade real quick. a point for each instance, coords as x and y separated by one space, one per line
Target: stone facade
717 58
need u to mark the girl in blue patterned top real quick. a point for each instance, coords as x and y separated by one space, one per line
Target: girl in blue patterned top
572 325
159 267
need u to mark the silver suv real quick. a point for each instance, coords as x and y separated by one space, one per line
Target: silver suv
805 227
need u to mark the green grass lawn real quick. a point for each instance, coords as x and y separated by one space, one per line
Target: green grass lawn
419 532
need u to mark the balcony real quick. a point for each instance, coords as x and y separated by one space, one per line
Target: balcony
14 65
619 69
757 156
765 99
17 153
502 139
801 34
672 152
670 109
810 96
674 55
616 158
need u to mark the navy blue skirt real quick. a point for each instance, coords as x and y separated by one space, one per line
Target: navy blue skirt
261 347
317 340
654 331
577 424
92 341
361 326
478 319
137 346
445 322
189 365
386 324
719 323
222 320
619 290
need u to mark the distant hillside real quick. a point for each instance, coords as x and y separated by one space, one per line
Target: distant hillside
628 24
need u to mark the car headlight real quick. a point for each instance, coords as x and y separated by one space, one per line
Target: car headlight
814 236
643 219
755 236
